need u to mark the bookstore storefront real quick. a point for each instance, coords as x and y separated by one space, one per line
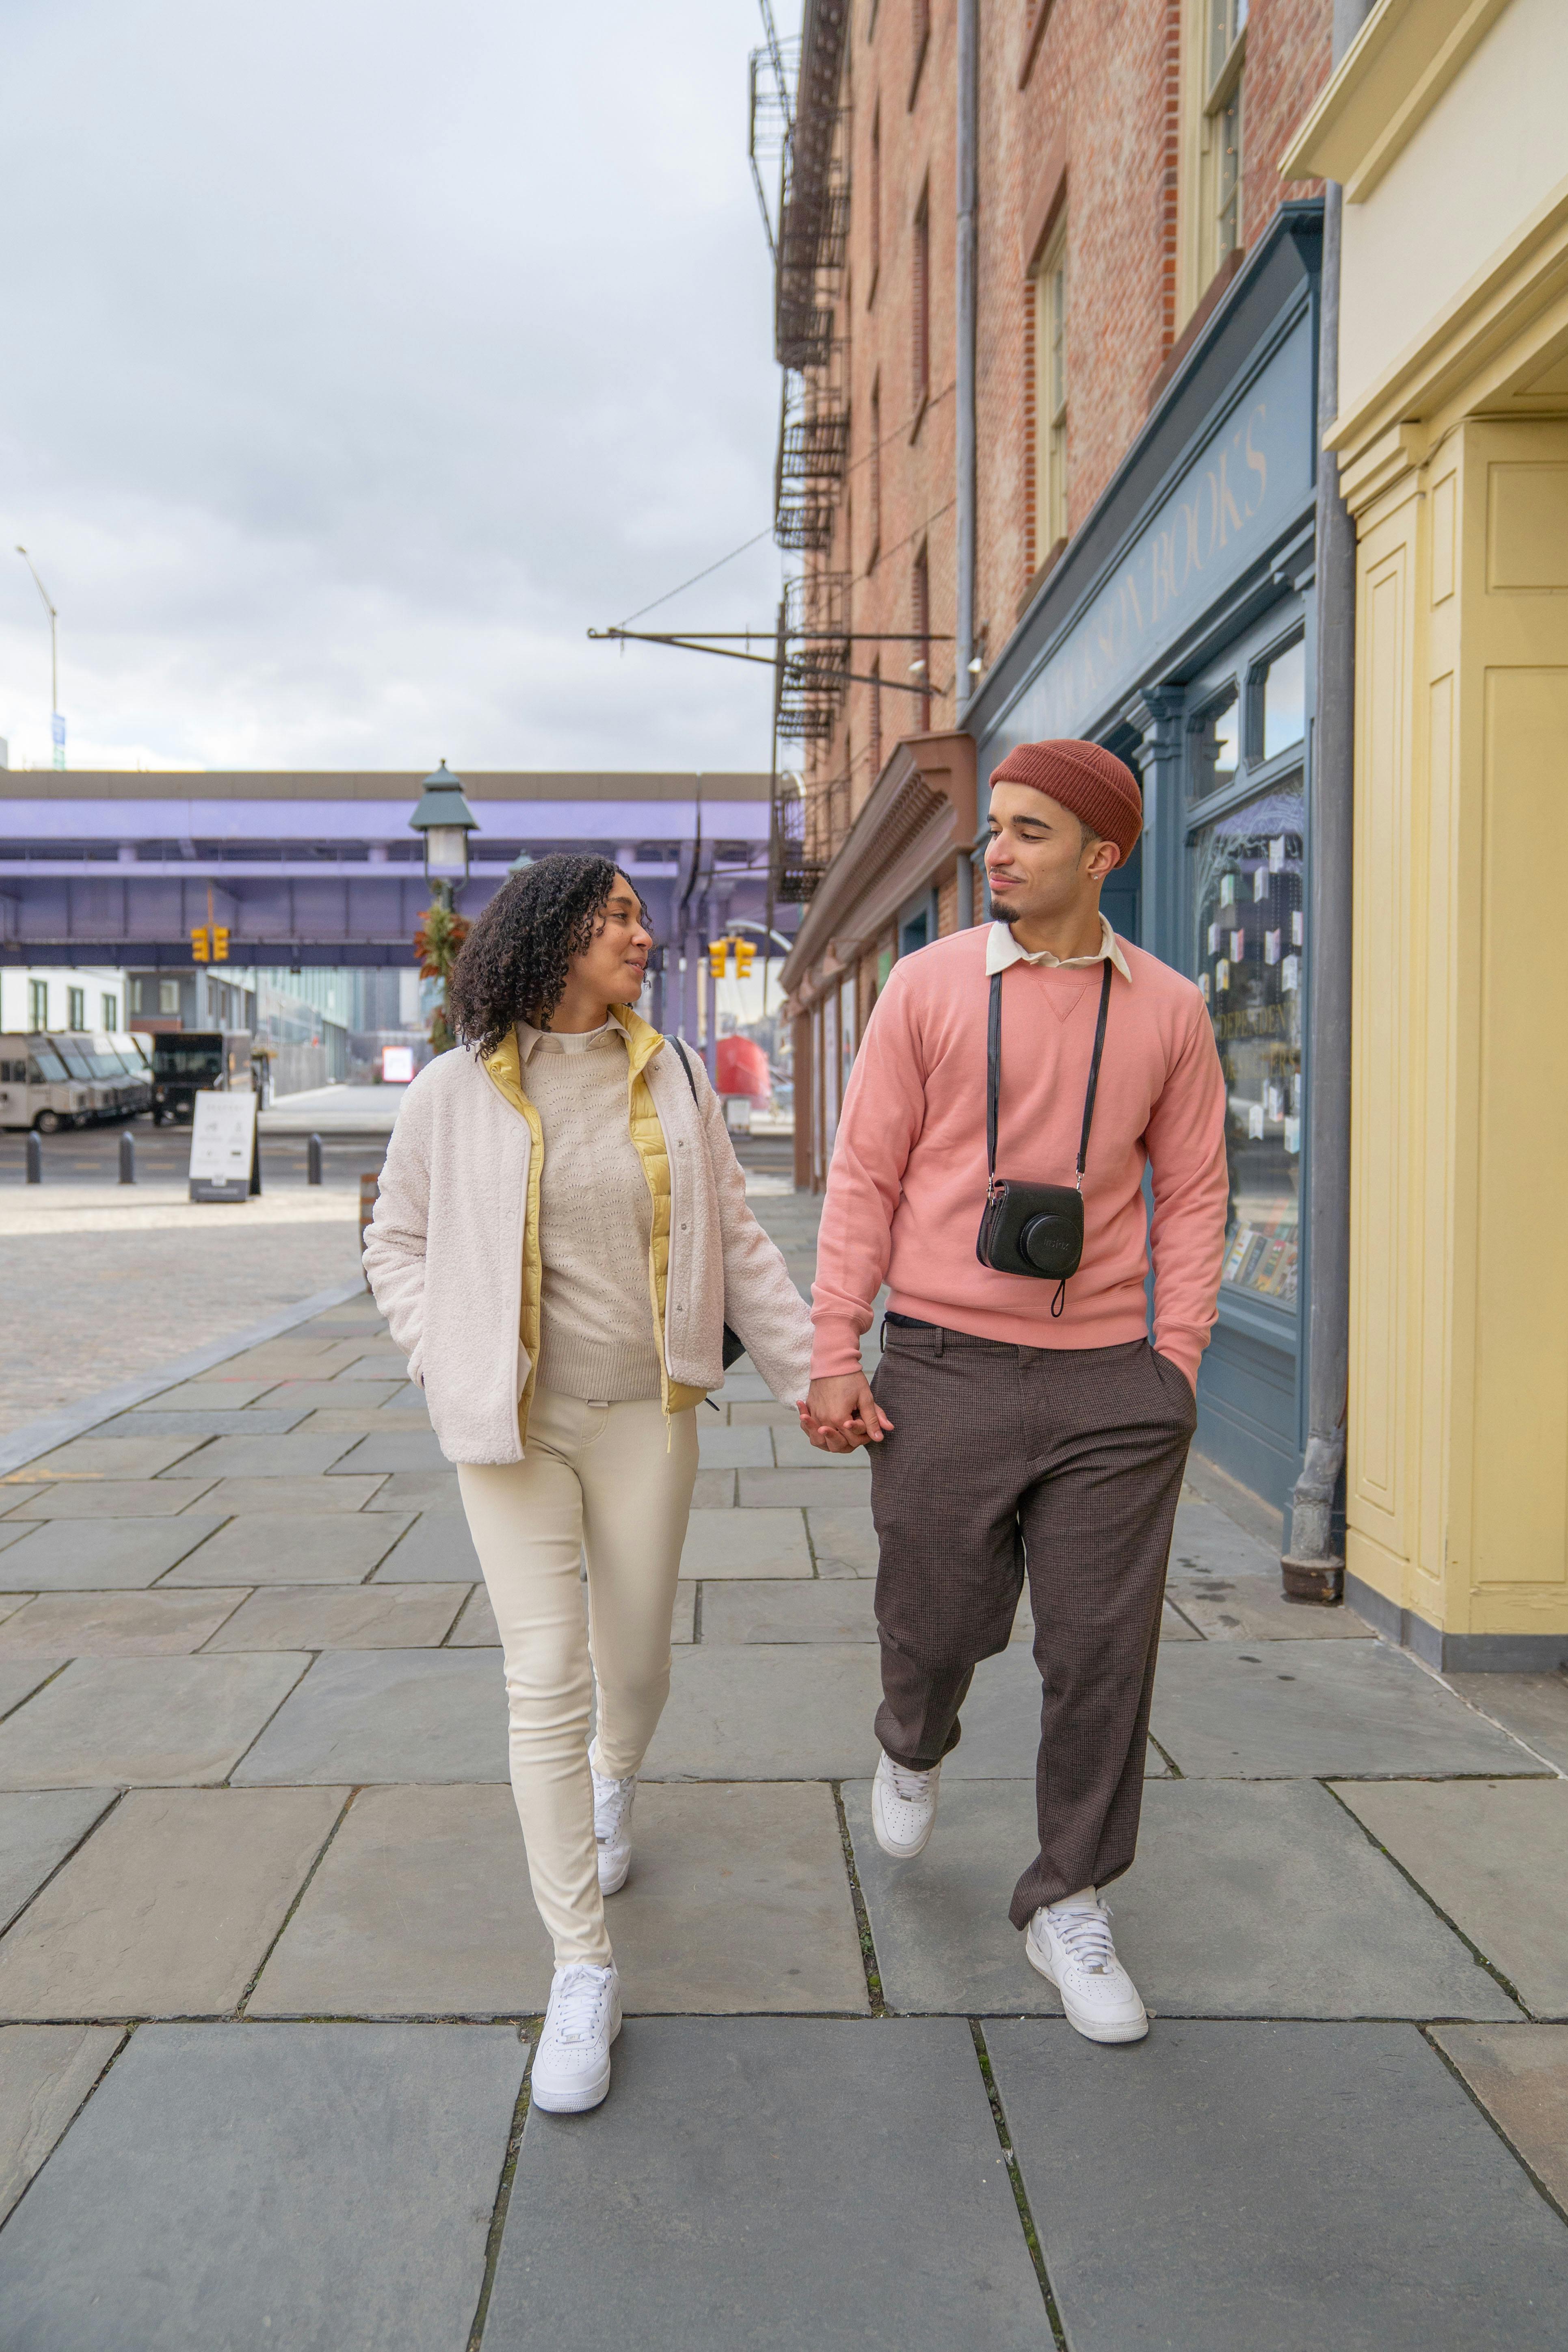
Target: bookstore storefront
1178 630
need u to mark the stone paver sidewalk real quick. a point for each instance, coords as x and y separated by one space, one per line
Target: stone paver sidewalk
269 1971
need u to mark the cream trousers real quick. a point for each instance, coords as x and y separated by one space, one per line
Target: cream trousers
612 1481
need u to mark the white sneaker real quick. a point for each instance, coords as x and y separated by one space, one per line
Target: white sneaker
903 1807
1073 1949
612 1829
572 2064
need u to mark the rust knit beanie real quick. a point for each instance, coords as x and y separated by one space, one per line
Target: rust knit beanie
1098 787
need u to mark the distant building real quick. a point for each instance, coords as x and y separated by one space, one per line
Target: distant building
62 996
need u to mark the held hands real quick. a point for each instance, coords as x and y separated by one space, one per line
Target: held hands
841 1413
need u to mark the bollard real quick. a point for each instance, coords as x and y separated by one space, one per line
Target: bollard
35 1158
314 1161
128 1158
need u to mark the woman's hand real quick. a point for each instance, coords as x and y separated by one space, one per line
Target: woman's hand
827 1439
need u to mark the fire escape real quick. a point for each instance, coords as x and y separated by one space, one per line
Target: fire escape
796 124
796 115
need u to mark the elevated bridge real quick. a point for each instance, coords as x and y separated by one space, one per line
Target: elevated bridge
321 870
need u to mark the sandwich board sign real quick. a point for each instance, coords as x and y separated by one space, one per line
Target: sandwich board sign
224 1160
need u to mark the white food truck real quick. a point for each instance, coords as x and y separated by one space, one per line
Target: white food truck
72 1078
37 1090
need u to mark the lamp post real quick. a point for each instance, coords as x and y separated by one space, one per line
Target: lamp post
57 723
445 821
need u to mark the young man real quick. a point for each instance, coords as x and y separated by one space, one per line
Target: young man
1013 1427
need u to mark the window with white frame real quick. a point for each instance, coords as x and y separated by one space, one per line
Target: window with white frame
1220 132
920 304
1051 392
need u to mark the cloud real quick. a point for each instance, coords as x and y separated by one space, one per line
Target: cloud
361 358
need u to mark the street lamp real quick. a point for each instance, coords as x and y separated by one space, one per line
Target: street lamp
56 724
446 819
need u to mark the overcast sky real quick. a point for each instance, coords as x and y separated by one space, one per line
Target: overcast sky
358 358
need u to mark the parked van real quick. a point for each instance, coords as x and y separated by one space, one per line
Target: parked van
117 1064
36 1089
136 1053
186 1063
101 1077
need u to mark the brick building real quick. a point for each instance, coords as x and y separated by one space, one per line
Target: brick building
1048 316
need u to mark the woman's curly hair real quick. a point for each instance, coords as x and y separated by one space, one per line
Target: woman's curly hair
514 961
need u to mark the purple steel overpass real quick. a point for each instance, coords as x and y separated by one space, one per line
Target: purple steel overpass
117 867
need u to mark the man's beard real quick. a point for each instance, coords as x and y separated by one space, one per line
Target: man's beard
1008 915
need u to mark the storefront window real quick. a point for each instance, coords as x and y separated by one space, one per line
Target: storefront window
1215 746
1285 700
1248 902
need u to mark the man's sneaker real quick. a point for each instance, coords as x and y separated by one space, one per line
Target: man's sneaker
903 1807
572 2064
613 1830
1072 1947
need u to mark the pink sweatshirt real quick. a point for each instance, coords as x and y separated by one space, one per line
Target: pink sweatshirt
907 1184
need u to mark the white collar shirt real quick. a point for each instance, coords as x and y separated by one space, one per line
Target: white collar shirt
556 1041
1001 950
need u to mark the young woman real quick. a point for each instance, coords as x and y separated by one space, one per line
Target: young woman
560 1236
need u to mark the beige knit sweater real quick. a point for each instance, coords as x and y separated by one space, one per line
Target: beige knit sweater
595 1220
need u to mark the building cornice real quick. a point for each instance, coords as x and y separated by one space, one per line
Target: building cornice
1475 357
1405 56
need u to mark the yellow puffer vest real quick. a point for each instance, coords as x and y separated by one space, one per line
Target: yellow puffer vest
504 1070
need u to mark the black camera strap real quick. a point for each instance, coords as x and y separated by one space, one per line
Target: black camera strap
994 1076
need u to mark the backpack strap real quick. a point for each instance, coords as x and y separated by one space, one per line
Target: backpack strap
685 1066
734 1345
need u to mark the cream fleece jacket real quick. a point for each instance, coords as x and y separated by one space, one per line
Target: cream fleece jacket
907 1184
443 1255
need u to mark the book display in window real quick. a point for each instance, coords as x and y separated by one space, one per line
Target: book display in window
1248 933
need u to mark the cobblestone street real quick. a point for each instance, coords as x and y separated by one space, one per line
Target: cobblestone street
270 1970
108 1280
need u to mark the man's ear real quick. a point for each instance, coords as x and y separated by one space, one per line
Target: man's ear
1102 859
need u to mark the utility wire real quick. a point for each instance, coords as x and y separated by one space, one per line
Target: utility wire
898 433
766 533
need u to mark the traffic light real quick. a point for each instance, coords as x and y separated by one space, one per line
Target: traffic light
745 956
220 943
201 946
718 958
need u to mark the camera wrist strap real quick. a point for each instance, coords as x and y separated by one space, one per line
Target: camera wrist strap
994 1076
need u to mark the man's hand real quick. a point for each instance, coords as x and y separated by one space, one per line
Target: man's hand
826 1440
843 1409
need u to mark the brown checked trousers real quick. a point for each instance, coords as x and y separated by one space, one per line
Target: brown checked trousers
1063 1464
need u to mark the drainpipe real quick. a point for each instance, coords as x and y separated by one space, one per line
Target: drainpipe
1313 1568
963 372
